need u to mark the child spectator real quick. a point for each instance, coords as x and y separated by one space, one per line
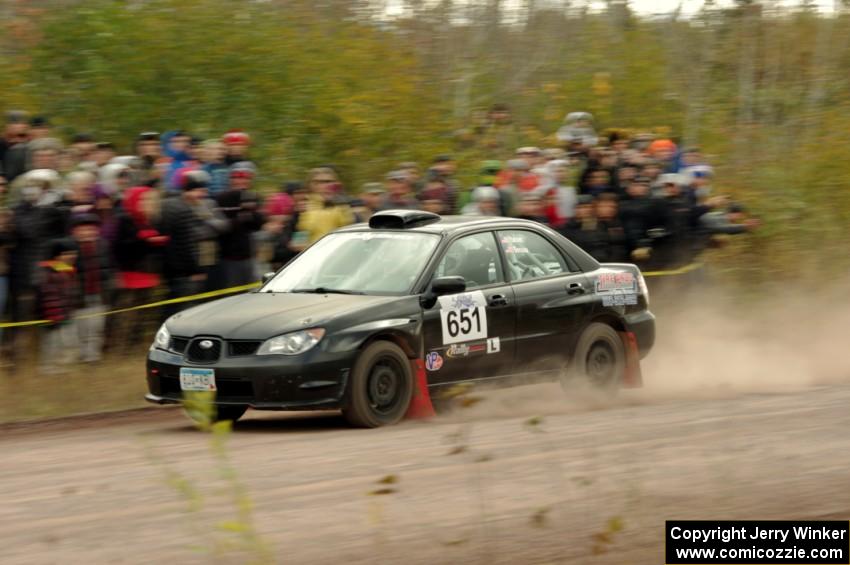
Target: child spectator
94 272
56 291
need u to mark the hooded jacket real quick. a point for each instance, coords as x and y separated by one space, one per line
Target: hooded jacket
108 178
179 160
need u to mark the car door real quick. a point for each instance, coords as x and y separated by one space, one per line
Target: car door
552 303
470 335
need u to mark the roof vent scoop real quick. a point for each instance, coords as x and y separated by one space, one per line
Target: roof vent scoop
402 219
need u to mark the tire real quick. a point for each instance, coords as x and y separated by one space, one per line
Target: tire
380 388
599 359
229 412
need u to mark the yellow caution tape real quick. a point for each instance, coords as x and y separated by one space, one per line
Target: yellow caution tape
673 272
201 296
243 288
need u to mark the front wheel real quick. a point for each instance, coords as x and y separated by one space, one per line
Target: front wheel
599 359
380 388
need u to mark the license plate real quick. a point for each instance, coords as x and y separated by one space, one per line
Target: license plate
197 379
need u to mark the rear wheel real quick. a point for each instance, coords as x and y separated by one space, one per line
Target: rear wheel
380 388
599 359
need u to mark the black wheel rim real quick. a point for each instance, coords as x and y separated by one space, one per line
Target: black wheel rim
601 363
385 385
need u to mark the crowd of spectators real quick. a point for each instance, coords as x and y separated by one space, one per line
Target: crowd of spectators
84 229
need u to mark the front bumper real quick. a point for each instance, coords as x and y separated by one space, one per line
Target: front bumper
642 324
312 381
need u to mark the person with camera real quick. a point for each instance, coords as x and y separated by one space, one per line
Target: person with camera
241 206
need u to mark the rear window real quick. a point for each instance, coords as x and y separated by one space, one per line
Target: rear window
530 255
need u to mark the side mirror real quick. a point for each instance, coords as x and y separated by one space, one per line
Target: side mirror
440 287
448 285
268 276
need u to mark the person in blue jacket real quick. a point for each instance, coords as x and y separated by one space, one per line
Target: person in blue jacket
175 145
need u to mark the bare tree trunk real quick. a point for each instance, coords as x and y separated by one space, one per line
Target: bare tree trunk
746 66
698 78
746 81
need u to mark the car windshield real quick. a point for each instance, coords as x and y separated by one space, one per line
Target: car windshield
358 263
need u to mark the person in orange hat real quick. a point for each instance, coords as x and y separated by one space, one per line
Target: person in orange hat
664 151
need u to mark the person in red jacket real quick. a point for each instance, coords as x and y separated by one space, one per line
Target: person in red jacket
138 255
57 291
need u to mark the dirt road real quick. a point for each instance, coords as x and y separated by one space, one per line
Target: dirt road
585 483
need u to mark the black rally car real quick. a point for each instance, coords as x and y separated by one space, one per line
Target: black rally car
347 323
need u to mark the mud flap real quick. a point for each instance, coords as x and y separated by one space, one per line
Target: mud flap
632 377
420 403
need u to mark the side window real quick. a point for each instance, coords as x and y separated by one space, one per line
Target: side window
475 258
530 255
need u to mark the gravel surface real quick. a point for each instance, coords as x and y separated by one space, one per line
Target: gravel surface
506 481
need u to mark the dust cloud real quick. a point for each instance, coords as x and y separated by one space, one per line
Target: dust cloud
774 343
708 346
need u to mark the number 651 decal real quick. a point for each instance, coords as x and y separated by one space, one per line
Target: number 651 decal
463 317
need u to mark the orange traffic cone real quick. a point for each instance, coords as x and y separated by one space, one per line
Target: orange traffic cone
632 377
420 403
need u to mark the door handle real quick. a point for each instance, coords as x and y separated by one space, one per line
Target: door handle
575 289
497 300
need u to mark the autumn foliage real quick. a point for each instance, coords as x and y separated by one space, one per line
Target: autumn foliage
762 89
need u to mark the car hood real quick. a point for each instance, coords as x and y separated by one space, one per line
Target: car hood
261 315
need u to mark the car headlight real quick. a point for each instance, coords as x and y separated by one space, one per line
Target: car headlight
162 338
292 343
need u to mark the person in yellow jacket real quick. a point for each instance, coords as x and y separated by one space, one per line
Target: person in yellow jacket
326 208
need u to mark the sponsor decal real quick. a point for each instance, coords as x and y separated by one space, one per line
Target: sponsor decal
516 249
462 301
433 361
465 349
457 350
608 282
493 345
619 299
